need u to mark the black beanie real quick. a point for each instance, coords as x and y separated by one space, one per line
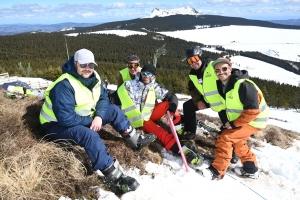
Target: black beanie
149 68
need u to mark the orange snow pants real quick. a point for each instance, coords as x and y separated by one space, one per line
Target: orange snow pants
237 139
150 126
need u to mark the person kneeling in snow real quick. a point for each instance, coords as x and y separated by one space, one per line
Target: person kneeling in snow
246 113
138 101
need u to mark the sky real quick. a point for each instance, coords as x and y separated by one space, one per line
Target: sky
279 169
95 11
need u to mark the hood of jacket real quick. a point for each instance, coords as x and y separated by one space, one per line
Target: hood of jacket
69 68
237 74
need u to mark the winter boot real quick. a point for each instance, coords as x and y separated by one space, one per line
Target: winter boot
135 140
194 159
117 181
240 171
184 135
210 173
234 158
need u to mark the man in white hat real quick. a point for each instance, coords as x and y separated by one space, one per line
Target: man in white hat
75 109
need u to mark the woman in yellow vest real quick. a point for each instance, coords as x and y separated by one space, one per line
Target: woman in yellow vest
246 113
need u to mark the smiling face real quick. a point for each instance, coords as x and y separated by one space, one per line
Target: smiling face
84 72
194 62
147 77
223 72
133 66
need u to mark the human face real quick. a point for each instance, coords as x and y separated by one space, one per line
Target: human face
147 77
133 67
223 72
85 72
194 62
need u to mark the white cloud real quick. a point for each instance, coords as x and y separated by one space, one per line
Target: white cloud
292 1
90 14
152 4
117 5
138 4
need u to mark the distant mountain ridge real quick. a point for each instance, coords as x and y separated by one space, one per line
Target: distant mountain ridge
295 22
179 22
185 18
11 29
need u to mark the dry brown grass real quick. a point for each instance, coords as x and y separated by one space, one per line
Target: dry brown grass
277 136
33 168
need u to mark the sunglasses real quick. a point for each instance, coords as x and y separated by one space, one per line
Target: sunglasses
192 59
133 65
148 74
224 69
90 65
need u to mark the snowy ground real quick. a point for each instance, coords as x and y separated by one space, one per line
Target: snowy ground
279 173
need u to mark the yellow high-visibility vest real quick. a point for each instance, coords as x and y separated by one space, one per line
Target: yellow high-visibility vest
19 90
234 107
86 99
133 113
126 75
208 88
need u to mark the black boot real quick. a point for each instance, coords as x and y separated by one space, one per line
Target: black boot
234 158
185 135
135 140
117 181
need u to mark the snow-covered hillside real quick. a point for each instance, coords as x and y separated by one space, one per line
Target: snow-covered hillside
280 43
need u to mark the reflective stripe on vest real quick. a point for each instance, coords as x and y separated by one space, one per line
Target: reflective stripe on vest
208 88
132 112
85 99
235 107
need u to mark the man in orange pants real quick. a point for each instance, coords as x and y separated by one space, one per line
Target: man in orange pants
246 113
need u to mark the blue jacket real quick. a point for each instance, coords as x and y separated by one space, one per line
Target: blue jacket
63 100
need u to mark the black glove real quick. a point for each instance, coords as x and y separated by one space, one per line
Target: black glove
232 125
222 128
172 107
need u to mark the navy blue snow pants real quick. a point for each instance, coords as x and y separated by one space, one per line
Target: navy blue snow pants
89 139
189 112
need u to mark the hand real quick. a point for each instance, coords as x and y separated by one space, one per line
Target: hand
228 126
201 105
96 124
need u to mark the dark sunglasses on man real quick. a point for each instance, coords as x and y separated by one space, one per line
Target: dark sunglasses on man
224 69
133 65
90 65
